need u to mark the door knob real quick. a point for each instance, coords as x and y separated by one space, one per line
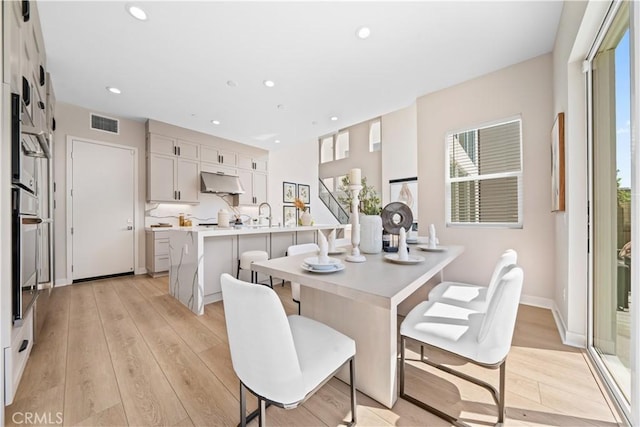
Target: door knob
130 227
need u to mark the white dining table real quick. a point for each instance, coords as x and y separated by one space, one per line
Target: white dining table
362 301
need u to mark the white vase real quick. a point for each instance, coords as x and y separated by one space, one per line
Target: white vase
306 219
370 234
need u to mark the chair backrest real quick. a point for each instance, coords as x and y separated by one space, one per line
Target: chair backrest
297 250
507 259
496 329
262 349
302 249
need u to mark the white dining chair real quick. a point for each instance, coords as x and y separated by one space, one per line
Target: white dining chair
298 250
281 360
482 338
474 297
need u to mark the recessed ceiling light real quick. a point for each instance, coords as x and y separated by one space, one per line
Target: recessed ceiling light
277 141
114 90
231 83
334 118
215 122
314 123
137 12
269 83
280 106
363 32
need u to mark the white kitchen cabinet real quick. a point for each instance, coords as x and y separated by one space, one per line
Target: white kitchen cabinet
161 144
257 164
157 253
172 179
255 187
222 157
15 357
12 39
217 168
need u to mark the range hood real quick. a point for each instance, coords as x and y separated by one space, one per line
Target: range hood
220 183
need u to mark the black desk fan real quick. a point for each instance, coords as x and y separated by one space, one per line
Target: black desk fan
395 215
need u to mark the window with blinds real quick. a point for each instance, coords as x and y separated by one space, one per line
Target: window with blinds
484 175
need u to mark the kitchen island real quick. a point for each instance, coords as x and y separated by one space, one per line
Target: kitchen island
199 255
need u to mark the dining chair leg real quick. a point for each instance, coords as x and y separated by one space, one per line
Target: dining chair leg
238 271
262 422
271 281
243 406
402 343
352 378
422 353
501 403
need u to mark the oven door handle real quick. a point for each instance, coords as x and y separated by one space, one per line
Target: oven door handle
31 221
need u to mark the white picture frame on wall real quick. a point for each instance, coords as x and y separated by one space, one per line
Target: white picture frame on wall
405 190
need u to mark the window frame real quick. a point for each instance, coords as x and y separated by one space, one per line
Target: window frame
371 145
518 175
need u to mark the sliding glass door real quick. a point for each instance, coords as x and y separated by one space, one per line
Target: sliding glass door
613 216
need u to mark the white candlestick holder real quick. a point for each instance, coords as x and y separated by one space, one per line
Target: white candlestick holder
355 256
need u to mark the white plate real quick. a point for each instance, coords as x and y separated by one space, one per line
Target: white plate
333 269
338 251
413 259
428 249
412 241
315 263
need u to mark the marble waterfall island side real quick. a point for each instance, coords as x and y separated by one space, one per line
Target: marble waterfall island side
199 255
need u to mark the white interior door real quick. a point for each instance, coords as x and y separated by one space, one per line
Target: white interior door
103 209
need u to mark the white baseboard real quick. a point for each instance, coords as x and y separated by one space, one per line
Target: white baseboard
140 270
537 302
568 338
62 282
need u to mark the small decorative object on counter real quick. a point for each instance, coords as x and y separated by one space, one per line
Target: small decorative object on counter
181 220
223 218
305 217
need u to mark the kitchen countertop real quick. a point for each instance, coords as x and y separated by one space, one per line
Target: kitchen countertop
215 231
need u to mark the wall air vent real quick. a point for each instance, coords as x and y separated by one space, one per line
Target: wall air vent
105 124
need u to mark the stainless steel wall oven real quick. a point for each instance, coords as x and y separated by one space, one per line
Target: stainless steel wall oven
25 154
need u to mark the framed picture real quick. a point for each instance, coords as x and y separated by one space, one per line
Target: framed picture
304 193
289 216
288 192
405 190
557 165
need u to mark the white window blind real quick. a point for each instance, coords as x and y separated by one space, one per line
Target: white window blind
484 175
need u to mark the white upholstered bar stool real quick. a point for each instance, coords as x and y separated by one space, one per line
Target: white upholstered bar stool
482 338
281 360
310 248
474 297
249 257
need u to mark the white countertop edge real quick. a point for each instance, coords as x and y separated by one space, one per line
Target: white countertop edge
208 232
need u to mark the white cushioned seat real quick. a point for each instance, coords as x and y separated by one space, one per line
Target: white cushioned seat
249 257
481 337
472 296
281 360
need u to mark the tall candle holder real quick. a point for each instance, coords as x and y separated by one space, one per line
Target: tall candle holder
355 225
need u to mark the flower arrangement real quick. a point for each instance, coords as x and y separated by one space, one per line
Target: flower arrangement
299 204
369 201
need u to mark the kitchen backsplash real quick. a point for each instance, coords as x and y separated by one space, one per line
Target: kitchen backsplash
205 211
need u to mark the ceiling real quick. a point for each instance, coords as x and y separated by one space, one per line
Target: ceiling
175 67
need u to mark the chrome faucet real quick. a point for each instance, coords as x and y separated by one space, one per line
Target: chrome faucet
260 209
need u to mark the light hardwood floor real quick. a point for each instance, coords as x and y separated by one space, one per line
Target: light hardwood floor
123 352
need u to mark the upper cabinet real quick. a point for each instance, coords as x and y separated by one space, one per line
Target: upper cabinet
173 170
221 157
258 164
173 147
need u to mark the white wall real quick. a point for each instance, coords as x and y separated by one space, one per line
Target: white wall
296 163
399 147
579 24
524 89
72 120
